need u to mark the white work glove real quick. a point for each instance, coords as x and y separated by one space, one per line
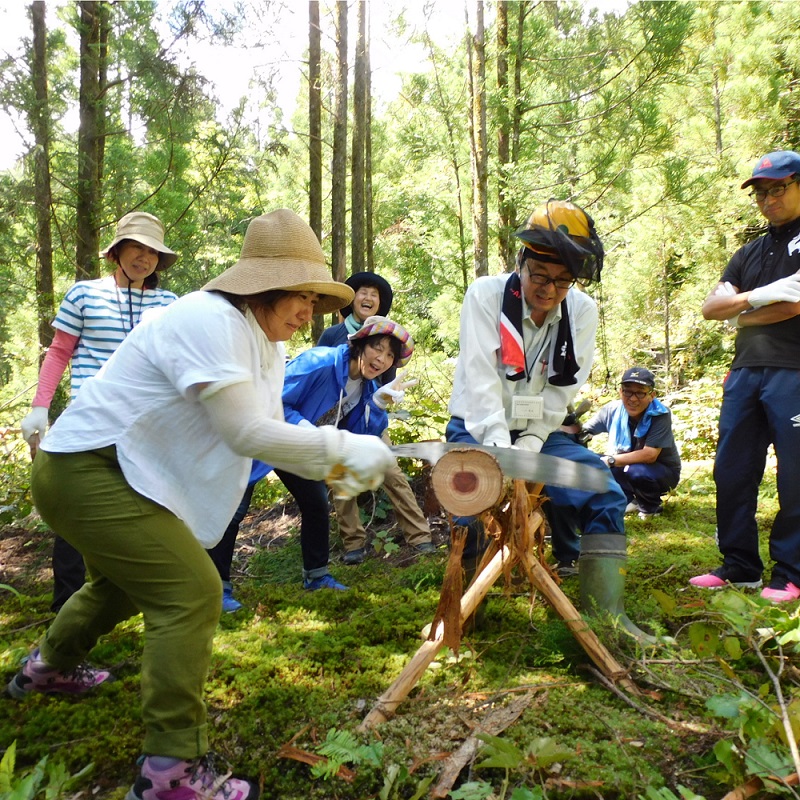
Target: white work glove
726 290
34 427
785 290
360 464
529 443
393 392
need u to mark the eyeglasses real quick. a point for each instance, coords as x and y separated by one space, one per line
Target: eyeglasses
760 195
629 393
540 279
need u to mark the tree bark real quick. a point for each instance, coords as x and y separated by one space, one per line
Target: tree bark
40 125
339 164
88 184
357 198
315 137
476 50
368 199
505 210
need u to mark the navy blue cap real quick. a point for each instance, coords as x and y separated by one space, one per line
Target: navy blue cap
774 166
639 375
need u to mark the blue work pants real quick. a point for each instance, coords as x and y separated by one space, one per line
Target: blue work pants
759 406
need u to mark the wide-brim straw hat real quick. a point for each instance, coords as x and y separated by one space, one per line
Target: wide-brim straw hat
280 251
381 326
146 229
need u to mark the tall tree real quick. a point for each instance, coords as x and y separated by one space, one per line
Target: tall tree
368 199
358 178
40 125
339 163
504 210
476 53
315 135
90 132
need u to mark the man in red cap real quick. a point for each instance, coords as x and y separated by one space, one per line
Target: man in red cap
759 294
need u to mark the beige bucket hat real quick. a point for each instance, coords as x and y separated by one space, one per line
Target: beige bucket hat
280 251
147 229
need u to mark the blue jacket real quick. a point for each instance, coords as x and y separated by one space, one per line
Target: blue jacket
314 385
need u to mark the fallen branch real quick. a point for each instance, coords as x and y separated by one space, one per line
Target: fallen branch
495 723
648 712
755 785
296 754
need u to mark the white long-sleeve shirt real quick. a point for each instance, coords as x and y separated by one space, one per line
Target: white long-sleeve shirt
482 395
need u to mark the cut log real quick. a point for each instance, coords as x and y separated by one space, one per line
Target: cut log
467 482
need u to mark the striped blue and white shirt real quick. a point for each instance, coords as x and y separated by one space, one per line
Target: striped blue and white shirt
101 314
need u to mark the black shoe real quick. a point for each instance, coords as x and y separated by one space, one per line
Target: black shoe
352 557
566 569
425 548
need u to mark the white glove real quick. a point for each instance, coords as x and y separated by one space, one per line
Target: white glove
34 426
726 290
360 465
529 442
393 392
785 290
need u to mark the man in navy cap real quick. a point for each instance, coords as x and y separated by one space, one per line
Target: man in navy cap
642 454
759 294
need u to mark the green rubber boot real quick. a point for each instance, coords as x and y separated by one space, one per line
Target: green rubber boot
601 571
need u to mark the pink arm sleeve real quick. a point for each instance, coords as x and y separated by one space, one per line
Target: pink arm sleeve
53 366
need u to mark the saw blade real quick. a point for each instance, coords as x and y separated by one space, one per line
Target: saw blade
534 467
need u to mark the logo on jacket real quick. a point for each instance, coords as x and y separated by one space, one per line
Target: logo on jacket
795 421
794 245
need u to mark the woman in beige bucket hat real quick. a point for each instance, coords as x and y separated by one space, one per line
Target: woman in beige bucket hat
146 467
92 321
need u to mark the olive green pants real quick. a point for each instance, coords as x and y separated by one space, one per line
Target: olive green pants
140 558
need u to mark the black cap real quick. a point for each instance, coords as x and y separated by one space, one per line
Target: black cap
639 375
359 279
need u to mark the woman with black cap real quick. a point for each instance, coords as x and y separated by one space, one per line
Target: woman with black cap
144 469
373 297
92 321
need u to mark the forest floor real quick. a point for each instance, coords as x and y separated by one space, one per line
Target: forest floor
294 673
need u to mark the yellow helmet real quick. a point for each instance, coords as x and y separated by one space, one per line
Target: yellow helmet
563 232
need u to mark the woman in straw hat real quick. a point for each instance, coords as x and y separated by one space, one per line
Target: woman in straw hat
145 468
92 321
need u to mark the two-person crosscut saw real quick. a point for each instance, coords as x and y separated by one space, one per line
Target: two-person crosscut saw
527 466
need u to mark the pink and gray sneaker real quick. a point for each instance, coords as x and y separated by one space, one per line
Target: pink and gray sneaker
189 780
781 591
722 577
37 676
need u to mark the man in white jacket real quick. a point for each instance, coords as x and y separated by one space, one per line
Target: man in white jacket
527 344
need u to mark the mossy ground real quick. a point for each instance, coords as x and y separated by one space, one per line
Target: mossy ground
293 665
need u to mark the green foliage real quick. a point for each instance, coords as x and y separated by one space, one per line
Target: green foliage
384 543
48 779
341 747
15 498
